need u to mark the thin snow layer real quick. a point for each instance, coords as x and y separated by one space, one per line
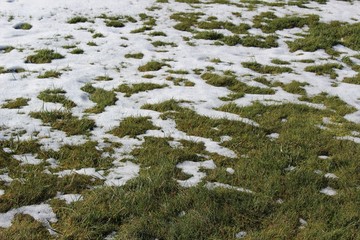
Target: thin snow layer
213 185
27 159
70 198
42 213
117 176
193 169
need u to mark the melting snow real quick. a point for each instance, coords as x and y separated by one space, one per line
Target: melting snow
193 168
42 213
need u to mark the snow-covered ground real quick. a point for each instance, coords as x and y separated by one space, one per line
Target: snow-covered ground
50 30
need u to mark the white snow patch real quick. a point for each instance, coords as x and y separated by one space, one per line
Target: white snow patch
42 213
331 175
328 191
213 185
5 177
273 136
241 234
27 159
350 138
69 198
119 175
230 170
193 168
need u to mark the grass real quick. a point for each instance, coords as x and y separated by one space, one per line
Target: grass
152 66
98 35
77 51
103 78
43 56
6 49
65 121
285 173
266 69
239 88
91 43
163 44
353 80
50 74
77 19
80 156
209 35
23 26
133 126
56 95
295 87
325 69
134 55
326 35
138 87
279 62
268 22
25 226
101 97
16 103
180 81
114 23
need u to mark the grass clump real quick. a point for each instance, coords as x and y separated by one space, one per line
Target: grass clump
326 35
157 34
77 19
138 87
325 69
279 62
114 23
98 35
163 44
34 188
331 102
133 126
295 87
80 156
270 23
6 49
230 81
101 97
64 121
260 41
180 81
77 51
69 46
43 56
23 26
266 69
24 226
152 66
353 80
56 95
134 55
16 103
209 35
91 43
103 78
50 74
180 71
186 20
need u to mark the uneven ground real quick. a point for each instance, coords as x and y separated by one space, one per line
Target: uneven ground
179 119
